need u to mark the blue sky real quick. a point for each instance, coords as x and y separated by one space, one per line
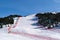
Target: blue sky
26 7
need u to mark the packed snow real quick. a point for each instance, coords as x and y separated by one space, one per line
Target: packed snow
25 30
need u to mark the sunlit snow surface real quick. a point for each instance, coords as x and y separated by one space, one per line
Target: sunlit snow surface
26 31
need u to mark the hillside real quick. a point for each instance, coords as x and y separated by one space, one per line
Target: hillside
27 29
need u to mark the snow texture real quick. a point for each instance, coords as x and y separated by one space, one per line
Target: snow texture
26 31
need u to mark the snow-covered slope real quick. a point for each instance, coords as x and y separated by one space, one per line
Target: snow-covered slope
25 30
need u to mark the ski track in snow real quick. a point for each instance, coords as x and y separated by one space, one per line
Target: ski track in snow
24 30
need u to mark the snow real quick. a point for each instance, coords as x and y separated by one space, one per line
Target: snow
26 31
5 36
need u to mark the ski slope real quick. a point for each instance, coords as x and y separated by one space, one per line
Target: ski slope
25 30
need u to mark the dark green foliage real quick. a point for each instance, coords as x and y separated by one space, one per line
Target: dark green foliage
1 26
48 19
8 20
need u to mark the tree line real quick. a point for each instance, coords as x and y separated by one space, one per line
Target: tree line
48 19
8 20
